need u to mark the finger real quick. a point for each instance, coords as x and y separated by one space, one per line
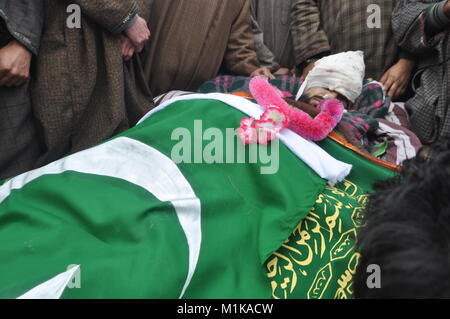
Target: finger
138 48
398 91
401 82
383 78
388 84
125 47
6 79
19 80
3 74
124 51
131 53
130 48
9 81
269 74
293 72
126 55
259 73
13 82
392 90
394 95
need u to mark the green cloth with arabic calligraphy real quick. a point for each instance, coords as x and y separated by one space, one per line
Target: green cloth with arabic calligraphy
319 259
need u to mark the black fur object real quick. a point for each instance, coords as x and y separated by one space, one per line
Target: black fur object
407 231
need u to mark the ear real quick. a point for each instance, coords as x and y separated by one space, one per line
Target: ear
267 95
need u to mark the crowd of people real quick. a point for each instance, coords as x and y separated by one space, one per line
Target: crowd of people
92 93
65 88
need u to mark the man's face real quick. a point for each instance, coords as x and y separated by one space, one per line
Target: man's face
315 95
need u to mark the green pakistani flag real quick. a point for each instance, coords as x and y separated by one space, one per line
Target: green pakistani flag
124 220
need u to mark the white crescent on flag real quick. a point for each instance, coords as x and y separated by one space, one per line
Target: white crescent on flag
141 165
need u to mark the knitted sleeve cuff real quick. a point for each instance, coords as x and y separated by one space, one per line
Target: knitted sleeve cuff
435 18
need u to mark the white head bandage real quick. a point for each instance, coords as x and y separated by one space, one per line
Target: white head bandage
343 73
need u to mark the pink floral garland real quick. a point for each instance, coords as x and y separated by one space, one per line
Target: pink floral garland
279 115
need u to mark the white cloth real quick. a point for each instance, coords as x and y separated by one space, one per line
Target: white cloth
343 73
139 164
53 288
311 154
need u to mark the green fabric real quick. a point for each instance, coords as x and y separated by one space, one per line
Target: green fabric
435 18
364 173
320 258
381 148
130 245
113 229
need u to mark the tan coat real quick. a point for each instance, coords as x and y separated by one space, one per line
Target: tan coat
80 85
191 39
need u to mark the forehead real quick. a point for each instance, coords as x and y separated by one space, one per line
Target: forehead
319 89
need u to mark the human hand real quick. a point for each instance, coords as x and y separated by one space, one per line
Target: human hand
396 79
308 68
294 71
263 72
15 61
127 48
283 71
139 34
447 9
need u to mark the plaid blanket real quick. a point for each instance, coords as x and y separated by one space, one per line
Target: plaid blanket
394 142
361 119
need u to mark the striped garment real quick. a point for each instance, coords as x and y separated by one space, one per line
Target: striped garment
430 116
402 143
324 26
272 23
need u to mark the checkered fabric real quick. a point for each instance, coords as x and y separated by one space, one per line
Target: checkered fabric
320 26
430 118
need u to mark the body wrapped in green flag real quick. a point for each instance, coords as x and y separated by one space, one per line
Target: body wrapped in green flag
133 224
